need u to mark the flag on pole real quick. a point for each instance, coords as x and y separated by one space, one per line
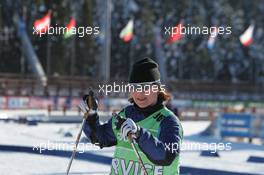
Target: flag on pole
70 28
127 32
247 37
176 33
43 24
212 37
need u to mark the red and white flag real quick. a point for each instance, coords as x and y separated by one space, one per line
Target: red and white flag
176 33
127 32
70 28
43 24
247 37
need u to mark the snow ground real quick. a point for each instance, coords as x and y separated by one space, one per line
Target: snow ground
44 133
31 164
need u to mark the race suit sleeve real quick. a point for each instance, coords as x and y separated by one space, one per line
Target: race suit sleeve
101 134
162 150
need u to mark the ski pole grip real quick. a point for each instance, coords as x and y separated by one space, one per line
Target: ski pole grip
90 100
119 119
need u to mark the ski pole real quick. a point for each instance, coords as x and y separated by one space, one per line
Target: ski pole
132 141
79 135
75 147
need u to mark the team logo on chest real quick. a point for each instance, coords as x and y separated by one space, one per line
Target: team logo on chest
159 117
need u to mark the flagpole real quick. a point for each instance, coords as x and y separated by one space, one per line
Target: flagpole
131 54
72 55
131 46
73 38
159 52
108 41
48 56
106 54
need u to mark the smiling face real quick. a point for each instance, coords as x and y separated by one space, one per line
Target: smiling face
145 98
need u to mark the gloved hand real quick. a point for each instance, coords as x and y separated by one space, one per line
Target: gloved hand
129 127
89 102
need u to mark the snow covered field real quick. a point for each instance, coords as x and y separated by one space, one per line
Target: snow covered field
23 163
51 136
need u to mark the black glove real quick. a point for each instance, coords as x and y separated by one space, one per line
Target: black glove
90 101
89 105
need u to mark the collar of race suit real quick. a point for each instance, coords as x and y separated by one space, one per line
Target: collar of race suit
150 109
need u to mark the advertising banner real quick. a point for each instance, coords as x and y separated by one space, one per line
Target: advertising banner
236 125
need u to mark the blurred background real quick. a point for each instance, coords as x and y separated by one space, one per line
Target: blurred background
217 82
